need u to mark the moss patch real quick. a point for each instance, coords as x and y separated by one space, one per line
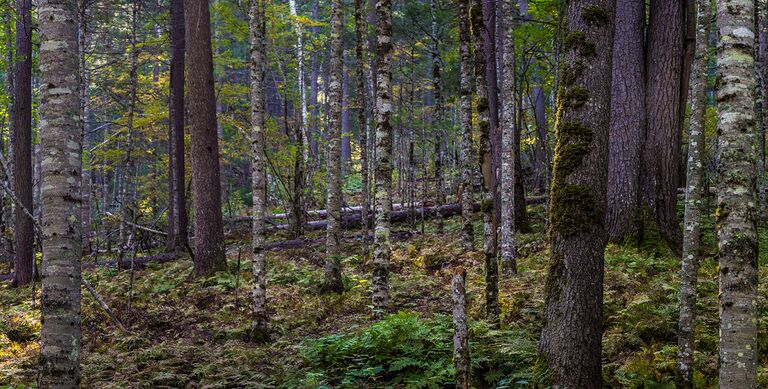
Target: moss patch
595 16
573 209
577 40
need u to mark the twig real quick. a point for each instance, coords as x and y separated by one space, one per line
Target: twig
138 226
237 276
103 305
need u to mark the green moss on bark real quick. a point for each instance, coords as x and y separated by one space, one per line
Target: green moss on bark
595 16
575 97
573 209
577 40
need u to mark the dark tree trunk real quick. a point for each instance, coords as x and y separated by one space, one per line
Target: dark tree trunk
490 48
541 149
572 334
22 145
627 119
206 185
178 237
660 174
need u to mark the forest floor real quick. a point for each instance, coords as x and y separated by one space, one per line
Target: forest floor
186 332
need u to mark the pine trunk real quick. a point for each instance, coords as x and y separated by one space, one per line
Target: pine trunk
572 333
737 237
61 149
22 145
383 172
465 108
177 223
333 281
437 117
206 185
362 123
627 119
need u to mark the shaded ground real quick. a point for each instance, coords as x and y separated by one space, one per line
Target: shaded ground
193 333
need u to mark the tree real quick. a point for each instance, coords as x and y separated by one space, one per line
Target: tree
61 148
206 185
259 327
363 124
737 236
508 251
486 165
383 171
438 116
664 103
333 282
22 145
177 198
465 114
627 119
695 188
572 333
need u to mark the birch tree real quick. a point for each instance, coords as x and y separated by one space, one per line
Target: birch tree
61 164
508 250
737 236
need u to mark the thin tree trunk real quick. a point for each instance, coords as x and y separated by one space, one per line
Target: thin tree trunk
177 207
85 100
22 145
437 119
737 237
486 166
508 249
302 141
695 188
383 172
460 332
61 148
467 167
333 281
259 327
362 123
572 334
762 108
126 202
206 184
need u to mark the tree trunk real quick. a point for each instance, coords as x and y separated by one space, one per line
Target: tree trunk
467 167
383 172
22 145
437 118
126 199
541 148
762 107
85 100
297 205
61 148
460 332
486 166
572 333
627 119
695 188
259 327
737 237
661 154
206 185
362 123
333 281
508 249
177 209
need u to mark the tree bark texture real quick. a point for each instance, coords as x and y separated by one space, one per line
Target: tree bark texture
176 136
508 109
460 331
735 216
362 121
465 114
572 333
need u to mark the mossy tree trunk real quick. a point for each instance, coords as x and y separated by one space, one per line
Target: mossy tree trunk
508 249
383 172
465 114
60 196
259 326
333 282
695 187
362 123
437 119
737 237
461 362
572 333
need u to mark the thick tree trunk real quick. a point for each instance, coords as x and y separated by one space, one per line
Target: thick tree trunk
383 172
206 185
508 250
627 119
467 154
362 122
333 281
177 215
737 237
695 187
22 145
572 334
61 149
661 154
259 327
762 106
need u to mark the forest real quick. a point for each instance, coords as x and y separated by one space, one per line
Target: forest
383 194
